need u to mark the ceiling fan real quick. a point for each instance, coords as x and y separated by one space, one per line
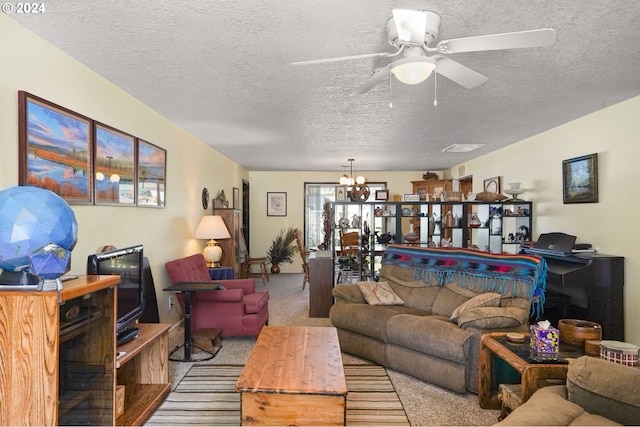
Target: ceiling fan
412 31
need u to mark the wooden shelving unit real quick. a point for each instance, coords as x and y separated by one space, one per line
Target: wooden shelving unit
49 377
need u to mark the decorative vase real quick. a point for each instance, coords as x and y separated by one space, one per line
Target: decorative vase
275 269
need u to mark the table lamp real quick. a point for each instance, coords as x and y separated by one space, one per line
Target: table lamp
212 227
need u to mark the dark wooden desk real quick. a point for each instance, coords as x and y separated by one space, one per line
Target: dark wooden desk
320 285
188 289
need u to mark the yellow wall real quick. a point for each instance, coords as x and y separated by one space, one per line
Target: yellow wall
29 63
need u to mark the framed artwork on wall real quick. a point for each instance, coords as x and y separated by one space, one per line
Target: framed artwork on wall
114 166
55 149
580 179
492 185
152 175
277 204
236 198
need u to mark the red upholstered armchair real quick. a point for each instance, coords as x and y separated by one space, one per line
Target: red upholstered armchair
237 309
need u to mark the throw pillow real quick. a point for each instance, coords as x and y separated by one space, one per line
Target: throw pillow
379 293
487 299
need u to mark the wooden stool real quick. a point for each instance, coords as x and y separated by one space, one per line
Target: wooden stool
208 335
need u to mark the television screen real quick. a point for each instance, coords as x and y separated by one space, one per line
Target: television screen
127 263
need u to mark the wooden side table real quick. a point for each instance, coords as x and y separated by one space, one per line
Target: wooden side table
532 375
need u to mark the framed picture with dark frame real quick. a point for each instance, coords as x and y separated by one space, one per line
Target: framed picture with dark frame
55 148
236 198
276 204
492 185
152 175
382 194
580 179
115 166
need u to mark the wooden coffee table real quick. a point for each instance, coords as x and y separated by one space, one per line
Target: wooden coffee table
294 376
532 375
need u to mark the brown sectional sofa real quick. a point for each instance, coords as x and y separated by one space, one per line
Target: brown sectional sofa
420 337
597 392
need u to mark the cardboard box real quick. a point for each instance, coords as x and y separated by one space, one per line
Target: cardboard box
544 340
119 400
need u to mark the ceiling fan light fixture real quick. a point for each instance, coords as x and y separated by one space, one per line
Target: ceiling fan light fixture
413 71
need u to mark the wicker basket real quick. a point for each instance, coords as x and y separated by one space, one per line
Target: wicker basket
451 196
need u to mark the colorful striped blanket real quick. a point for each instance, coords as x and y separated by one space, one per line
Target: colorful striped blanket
466 266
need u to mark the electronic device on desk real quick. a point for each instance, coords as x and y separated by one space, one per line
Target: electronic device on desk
127 263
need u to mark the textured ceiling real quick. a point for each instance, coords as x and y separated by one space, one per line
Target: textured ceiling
220 69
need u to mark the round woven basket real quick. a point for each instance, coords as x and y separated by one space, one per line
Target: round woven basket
575 332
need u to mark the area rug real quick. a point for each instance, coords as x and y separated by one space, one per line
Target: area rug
206 396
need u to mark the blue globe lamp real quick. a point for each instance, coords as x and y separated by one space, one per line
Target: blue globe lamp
38 231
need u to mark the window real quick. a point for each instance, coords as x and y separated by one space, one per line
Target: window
315 196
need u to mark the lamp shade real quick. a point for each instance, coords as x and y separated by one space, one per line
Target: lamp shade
413 70
212 227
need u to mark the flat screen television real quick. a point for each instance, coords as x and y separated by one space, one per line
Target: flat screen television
126 262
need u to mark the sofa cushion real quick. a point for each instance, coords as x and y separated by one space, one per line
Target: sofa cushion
434 335
349 293
549 407
254 303
605 388
365 319
488 299
492 317
379 293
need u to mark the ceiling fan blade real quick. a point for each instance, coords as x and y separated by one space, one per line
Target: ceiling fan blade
458 73
515 40
343 58
376 78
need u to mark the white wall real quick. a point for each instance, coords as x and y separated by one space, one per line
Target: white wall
29 63
611 225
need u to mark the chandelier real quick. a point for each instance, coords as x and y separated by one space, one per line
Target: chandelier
348 180
358 191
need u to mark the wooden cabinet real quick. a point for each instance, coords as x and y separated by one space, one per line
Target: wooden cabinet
433 187
320 285
230 247
58 358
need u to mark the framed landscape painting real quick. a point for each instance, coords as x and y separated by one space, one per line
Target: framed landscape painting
55 149
580 179
114 166
152 175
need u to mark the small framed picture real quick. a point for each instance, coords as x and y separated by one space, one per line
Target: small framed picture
341 193
580 179
236 198
492 185
410 197
382 194
276 204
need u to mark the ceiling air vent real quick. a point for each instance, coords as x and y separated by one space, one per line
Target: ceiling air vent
462 148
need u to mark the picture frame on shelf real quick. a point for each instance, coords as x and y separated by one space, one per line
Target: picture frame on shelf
580 179
55 149
115 166
410 197
382 195
341 193
276 204
492 185
152 175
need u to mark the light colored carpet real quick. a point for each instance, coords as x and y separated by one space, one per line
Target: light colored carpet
424 403
207 396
